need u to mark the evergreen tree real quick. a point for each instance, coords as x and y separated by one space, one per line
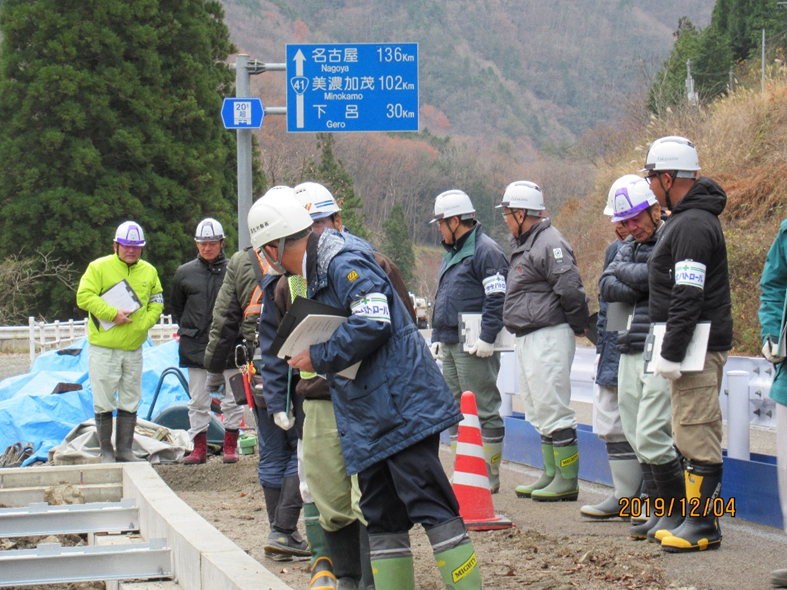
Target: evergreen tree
110 112
332 173
397 243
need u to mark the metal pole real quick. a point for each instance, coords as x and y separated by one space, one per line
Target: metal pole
738 415
763 62
242 90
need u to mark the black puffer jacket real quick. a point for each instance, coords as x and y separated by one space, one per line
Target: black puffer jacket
692 235
195 287
625 280
609 355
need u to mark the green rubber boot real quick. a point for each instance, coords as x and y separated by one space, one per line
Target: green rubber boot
315 534
459 568
546 477
392 561
565 485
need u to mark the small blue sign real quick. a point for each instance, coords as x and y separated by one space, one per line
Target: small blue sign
352 87
242 113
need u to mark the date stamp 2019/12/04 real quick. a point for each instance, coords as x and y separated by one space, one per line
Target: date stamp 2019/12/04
685 507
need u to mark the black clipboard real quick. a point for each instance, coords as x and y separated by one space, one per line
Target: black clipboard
301 308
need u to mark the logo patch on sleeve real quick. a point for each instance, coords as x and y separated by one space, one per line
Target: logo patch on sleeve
352 277
373 306
494 284
688 272
558 254
157 298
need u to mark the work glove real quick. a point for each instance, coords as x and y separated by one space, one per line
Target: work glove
770 351
437 351
284 420
482 349
667 369
213 383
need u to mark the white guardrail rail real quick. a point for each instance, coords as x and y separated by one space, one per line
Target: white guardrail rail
38 337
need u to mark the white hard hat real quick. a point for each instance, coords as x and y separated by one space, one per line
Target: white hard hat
622 181
673 153
451 204
631 199
523 194
129 233
209 230
275 216
317 199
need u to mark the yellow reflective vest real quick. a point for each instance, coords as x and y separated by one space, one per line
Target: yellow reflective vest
101 275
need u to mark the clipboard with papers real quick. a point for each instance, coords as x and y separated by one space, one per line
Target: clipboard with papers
307 323
122 297
470 331
695 352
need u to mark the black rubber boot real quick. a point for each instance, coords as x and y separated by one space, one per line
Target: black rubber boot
367 574
646 521
126 422
671 485
700 530
284 538
104 425
272 496
344 546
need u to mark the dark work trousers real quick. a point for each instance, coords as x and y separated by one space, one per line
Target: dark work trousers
278 449
407 488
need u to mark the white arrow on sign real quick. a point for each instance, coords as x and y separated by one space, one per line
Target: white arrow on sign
299 59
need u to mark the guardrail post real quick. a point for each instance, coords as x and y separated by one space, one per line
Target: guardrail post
31 324
738 415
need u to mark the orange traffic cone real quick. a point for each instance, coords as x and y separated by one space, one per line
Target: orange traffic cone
471 482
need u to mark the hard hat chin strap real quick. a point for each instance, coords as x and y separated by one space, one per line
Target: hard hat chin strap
277 268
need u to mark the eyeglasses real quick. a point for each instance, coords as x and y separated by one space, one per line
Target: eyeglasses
650 177
507 214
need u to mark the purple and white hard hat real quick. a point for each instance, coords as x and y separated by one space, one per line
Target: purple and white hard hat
129 233
632 199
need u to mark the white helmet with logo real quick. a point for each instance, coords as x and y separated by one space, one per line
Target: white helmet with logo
620 182
523 194
209 230
129 233
453 203
632 199
673 153
317 199
276 216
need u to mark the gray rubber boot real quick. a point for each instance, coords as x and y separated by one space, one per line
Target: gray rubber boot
125 423
344 546
493 453
779 578
626 478
104 425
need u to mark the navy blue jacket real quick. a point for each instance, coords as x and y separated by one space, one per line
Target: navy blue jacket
609 355
276 377
472 279
399 396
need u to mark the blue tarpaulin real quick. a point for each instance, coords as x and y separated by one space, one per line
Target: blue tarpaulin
31 412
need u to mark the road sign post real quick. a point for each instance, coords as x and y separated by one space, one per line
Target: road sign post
352 87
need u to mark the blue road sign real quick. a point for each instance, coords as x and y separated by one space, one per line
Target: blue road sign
352 87
242 113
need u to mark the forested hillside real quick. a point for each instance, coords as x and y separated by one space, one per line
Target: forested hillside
532 71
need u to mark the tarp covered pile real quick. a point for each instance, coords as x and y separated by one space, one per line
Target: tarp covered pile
31 413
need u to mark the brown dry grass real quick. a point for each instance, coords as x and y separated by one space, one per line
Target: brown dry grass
742 142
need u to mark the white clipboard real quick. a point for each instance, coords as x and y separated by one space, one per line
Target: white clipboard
695 353
122 297
315 329
470 331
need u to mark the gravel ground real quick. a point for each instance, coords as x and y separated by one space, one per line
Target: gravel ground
13 364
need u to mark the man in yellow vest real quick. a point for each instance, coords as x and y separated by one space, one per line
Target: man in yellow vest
116 335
